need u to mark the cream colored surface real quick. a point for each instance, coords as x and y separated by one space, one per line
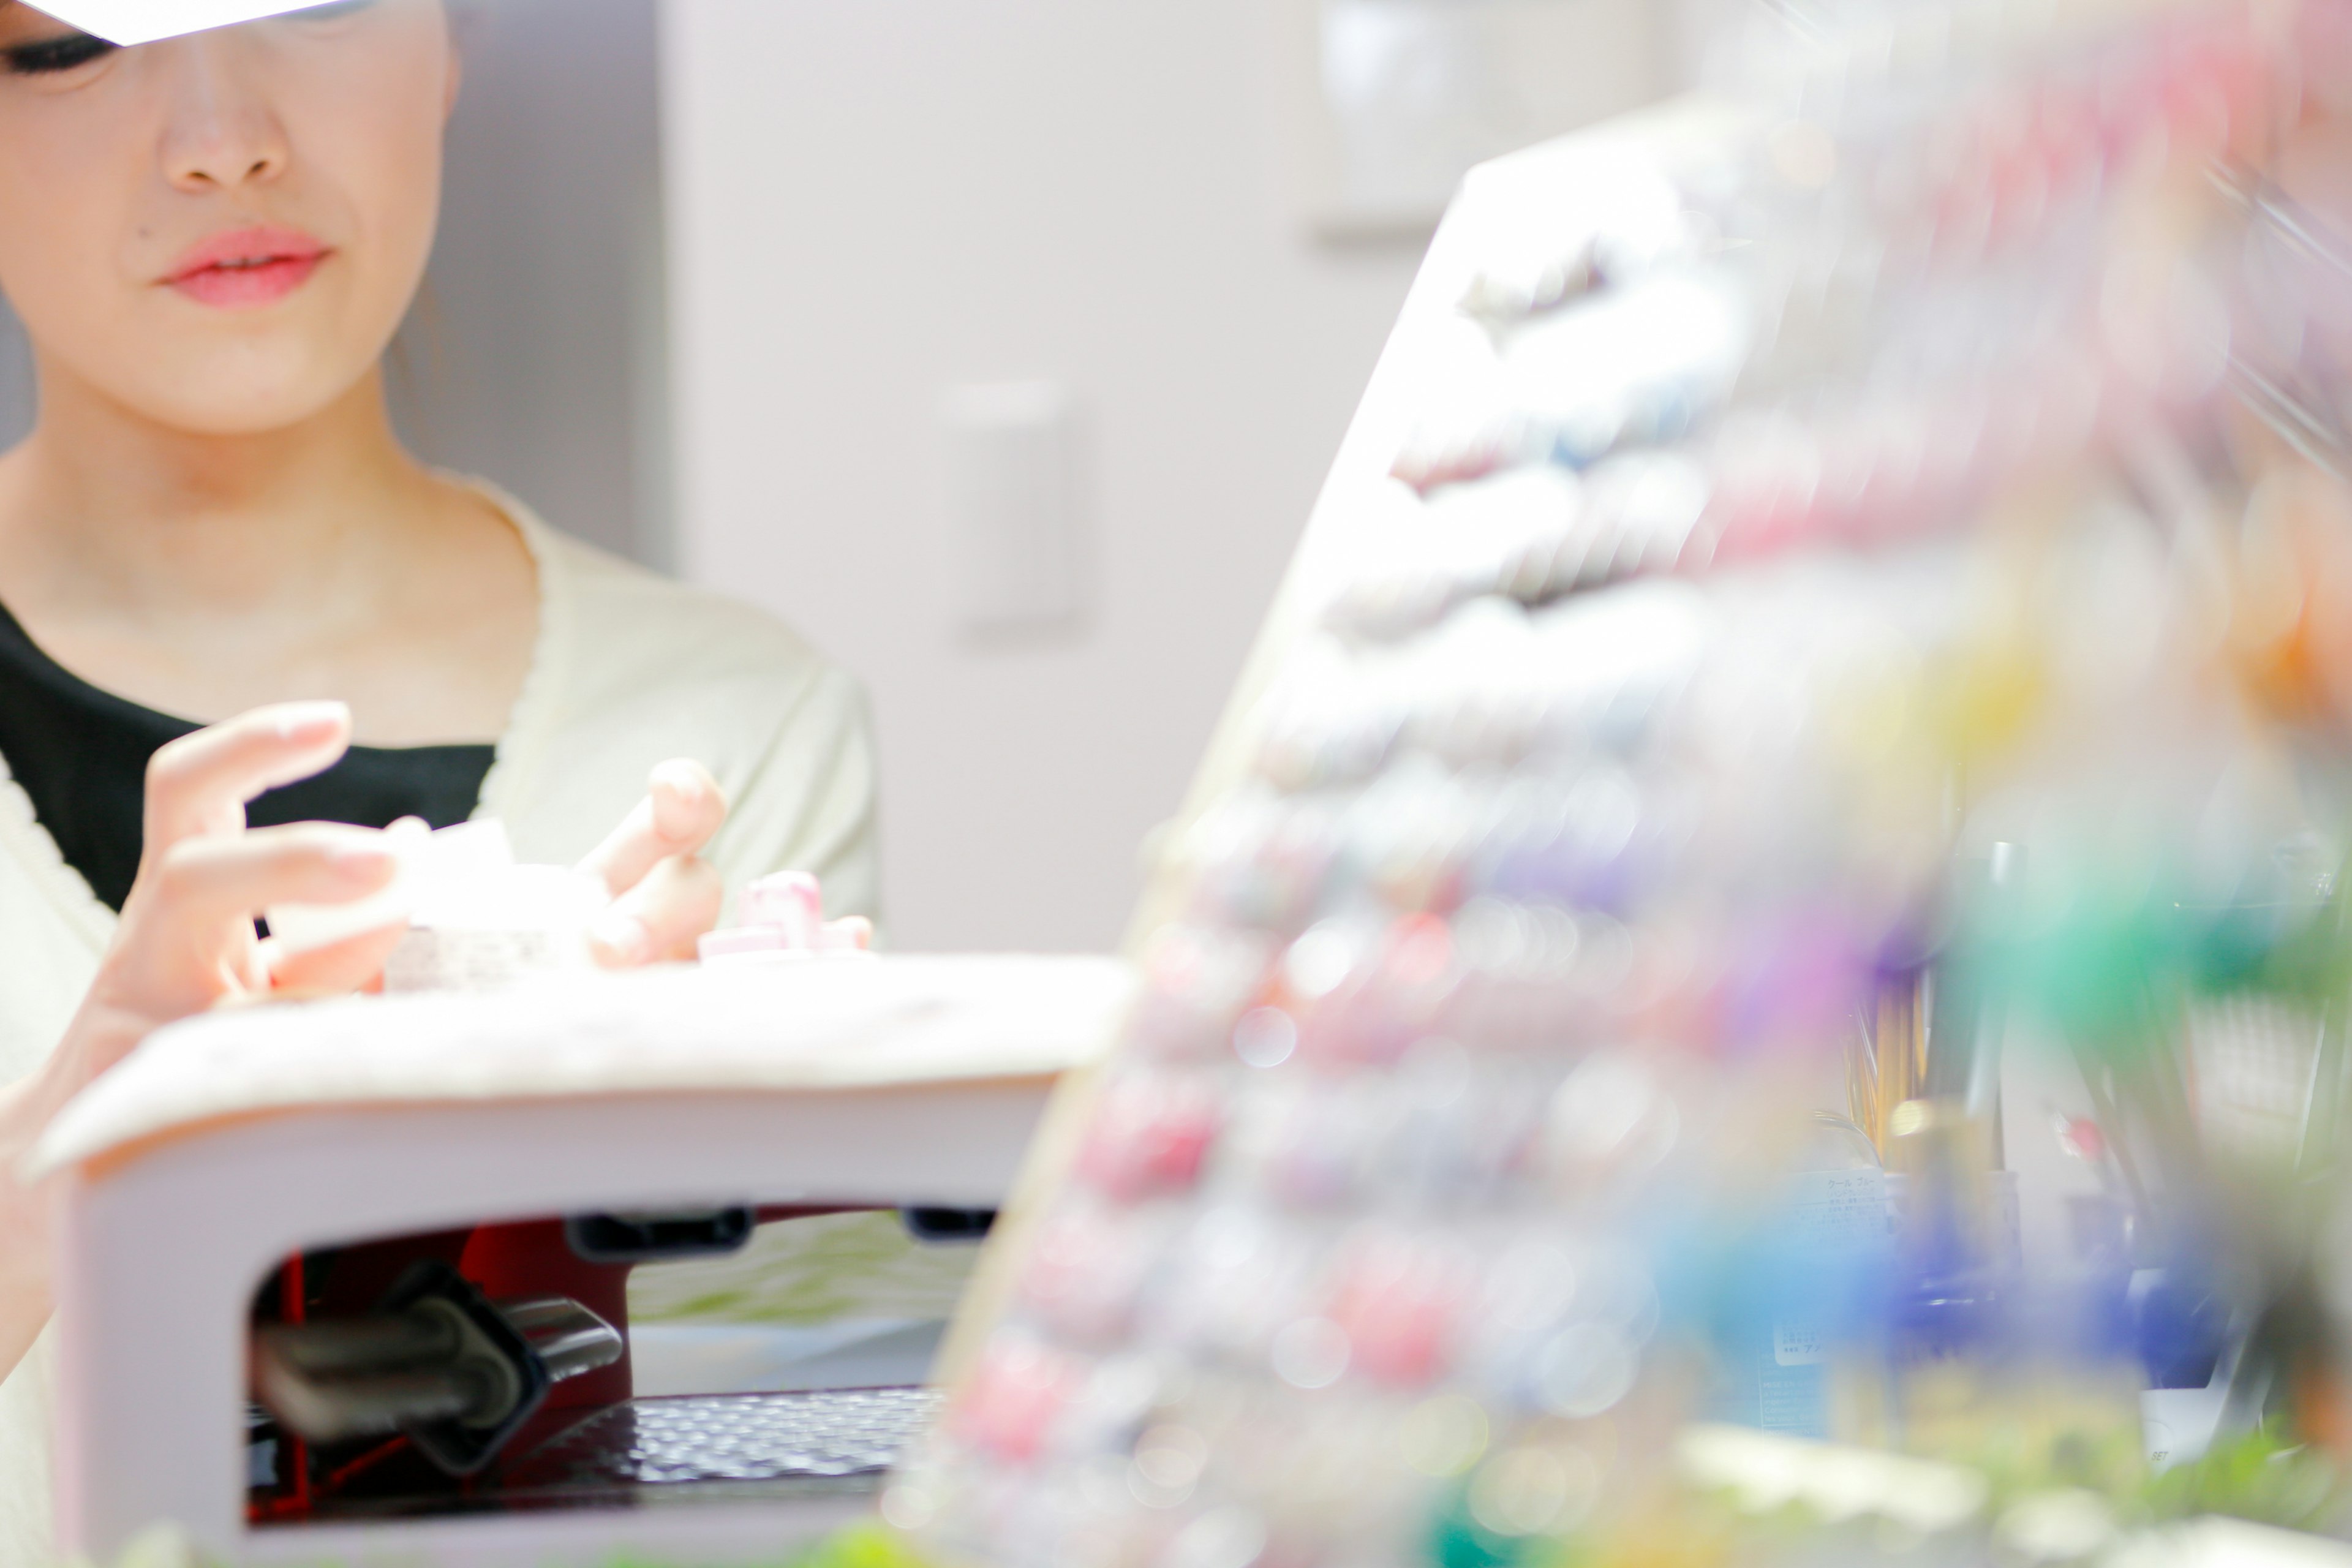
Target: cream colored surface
630 669
820 1023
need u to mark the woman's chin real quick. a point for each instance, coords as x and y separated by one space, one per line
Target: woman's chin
247 396
214 373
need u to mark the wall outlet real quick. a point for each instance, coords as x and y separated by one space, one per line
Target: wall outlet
1019 547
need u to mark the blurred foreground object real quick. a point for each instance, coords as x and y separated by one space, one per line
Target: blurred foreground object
1758 970
146 21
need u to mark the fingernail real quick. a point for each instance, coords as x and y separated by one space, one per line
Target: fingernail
688 782
302 721
624 939
360 862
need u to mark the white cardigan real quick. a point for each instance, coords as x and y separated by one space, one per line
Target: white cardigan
630 669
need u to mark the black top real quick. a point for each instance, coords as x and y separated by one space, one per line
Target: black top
81 754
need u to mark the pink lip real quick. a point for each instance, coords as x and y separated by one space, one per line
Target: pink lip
246 268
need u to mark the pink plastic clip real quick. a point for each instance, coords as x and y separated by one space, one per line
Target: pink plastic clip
792 902
784 916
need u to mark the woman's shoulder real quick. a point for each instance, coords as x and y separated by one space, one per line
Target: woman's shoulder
620 643
634 667
629 621
629 658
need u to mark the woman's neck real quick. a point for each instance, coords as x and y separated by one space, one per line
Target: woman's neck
206 574
106 511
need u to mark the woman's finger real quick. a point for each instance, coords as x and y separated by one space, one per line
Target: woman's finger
855 931
199 784
659 919
331 970
206 878
683 807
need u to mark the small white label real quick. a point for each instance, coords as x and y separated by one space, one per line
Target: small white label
1842 1207
1798 1344
478 960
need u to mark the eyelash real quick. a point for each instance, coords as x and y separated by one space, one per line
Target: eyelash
67 52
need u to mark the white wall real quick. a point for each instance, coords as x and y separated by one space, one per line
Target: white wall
874 200
535 354
19 398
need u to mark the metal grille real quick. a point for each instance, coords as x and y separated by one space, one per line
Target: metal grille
739 1438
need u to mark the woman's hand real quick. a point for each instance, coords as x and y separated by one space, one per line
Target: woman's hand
186 942
186 939
665 895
